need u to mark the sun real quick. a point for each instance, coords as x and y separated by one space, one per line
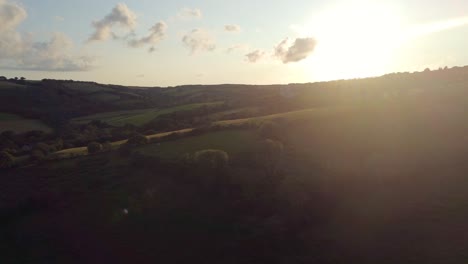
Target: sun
354 40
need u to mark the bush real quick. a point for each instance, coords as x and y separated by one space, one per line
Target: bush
6 160
106 146
94 147
37 155
211 167
150 132
269 129
137 140
211 159
43 147
269 156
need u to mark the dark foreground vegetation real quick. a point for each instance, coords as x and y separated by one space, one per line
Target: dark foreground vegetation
358 171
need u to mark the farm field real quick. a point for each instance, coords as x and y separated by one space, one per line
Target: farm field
231 141
138 117
19 125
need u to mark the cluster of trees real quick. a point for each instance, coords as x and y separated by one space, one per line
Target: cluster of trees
36 145
20 80
14 141
134 141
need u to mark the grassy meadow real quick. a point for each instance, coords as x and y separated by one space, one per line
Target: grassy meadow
19 125
138 117
233 142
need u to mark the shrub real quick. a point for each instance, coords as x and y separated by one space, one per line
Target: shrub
8 134
211 159
211 167
106 146
268 129
37 155
137 140
94 147
150 132
59 144
6 160
43 147
269 156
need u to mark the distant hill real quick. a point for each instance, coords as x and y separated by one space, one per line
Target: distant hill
57 101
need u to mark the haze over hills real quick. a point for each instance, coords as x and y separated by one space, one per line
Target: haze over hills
349 171
305 132
56 101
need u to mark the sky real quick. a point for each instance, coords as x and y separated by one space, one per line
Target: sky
168 43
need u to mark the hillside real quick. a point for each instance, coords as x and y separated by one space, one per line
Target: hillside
350 171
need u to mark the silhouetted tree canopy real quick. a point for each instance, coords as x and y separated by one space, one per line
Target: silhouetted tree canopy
37 155
137 140
269 129
43 147
106 146
94 147
211 159
269 156
6 160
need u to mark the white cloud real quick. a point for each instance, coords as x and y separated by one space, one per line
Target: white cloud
20 52
238 47
286 51
256 56
11 15
189 13
157 33
282 48
121 16
199 40
295 52
53 56
232 28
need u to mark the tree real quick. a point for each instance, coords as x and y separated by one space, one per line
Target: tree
9 134
137 140
37 155
269 129
106 146
43 147
212 159
269 156
6 160
94 147
211 165
150 132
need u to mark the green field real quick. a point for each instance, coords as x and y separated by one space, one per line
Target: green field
323 112
244 111
231 141
9 85
218 137
19 125
138 117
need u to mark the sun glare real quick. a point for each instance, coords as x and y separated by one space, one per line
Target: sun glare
353 40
